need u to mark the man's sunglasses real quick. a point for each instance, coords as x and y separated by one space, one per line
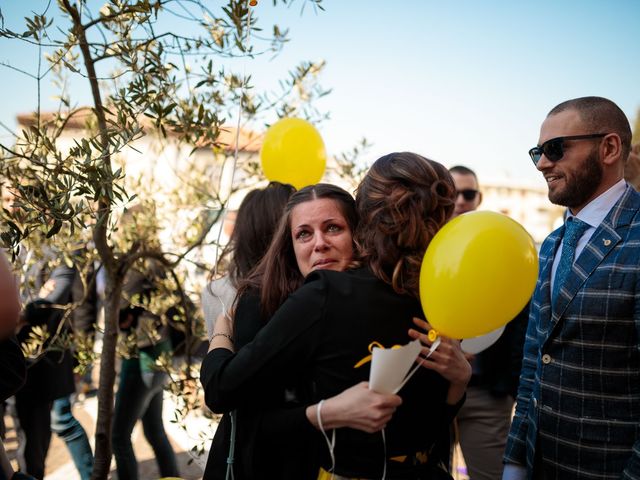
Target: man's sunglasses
554 149
468 194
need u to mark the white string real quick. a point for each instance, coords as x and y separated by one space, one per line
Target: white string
432 349
232 440
232 447
384 450
236 147
331 444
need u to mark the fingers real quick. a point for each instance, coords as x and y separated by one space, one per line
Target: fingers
378 419
382 408
422 337
391 401
448 360
447 346
360 408
423 333
454 369
383 401
422 324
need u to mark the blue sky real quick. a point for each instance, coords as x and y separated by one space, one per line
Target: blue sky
462 82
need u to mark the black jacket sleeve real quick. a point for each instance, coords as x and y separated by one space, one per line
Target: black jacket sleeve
499 365
273 360
63 278
39 311
12 368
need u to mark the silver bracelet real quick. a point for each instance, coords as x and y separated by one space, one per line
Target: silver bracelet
221 335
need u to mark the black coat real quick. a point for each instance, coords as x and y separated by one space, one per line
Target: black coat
51 375
272 432
318 335
497 368
12 368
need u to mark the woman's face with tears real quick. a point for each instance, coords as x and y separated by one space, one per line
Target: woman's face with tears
322 239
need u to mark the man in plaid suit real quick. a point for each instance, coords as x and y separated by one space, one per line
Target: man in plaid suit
578 405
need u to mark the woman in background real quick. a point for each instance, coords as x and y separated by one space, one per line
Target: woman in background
257 218
141 384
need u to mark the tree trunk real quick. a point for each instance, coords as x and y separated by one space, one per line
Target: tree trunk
107 380
115 277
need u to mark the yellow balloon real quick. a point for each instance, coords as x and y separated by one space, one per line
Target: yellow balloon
477 274
293 152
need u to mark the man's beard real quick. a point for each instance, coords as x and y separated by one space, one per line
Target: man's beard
580 184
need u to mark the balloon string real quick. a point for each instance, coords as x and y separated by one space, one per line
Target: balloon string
232 439
236 146
240 105
432 349
384 449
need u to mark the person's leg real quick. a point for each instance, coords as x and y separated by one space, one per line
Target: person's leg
483 427
34 435
154 429
130 402
67 427
6 470
3 427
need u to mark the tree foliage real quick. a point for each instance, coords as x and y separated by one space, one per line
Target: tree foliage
154 89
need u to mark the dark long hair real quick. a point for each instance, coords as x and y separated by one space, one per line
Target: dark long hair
256 221
402 201
277 275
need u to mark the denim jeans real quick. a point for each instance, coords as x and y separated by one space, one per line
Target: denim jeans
65 425
139 396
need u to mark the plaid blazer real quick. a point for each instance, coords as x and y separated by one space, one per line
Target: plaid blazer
579 394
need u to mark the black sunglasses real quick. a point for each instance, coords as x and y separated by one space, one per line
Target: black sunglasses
468 194
554 149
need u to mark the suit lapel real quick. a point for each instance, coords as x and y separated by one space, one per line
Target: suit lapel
603 240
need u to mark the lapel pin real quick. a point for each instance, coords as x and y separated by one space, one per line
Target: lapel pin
606 242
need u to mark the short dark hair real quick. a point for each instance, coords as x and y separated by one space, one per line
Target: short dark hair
403 200
462 170
277 275
600 115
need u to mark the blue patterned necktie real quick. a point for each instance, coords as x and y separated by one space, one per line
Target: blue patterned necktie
573 231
